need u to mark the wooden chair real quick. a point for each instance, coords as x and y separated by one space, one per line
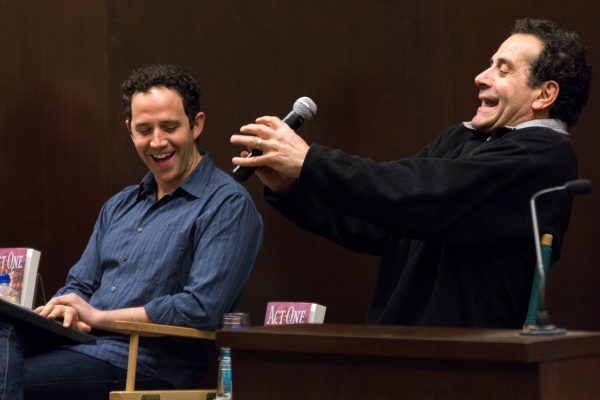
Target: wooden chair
135 329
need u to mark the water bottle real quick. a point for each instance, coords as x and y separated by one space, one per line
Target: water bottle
224 376
7 292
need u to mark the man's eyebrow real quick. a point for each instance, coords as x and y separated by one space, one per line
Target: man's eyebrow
171 121
164 122
507 62
142 125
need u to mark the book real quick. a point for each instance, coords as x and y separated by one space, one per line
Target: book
287 313
21 264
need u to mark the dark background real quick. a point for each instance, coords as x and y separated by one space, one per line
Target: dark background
387 76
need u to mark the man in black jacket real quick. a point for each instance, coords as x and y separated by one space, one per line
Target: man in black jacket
451 223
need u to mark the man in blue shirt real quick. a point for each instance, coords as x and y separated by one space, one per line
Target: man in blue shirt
176 249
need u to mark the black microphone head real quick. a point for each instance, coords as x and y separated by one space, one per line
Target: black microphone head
580 186
305 107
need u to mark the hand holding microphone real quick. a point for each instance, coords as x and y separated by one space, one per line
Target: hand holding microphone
274 144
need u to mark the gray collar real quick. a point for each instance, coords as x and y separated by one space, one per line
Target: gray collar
556 124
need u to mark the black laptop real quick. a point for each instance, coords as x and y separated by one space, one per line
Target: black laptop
47 326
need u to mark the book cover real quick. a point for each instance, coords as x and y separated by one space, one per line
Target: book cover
21 264
287 313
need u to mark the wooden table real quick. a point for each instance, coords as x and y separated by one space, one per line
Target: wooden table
396 362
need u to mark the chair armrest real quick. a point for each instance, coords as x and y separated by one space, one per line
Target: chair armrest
156 329
134 329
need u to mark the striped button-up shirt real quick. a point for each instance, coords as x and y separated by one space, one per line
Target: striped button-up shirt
184 258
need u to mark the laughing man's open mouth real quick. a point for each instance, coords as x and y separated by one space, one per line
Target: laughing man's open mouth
162 158
488 103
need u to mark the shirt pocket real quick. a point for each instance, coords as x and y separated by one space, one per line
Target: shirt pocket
160 259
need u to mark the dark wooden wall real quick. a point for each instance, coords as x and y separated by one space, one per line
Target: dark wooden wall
387 77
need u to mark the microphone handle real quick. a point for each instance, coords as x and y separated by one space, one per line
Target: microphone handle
240 173
293 120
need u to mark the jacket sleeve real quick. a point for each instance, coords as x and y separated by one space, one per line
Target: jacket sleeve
445 193
312 215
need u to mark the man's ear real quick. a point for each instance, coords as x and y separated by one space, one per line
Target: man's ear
128 126
546 97
198 125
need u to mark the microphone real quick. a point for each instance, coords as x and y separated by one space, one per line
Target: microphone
303 110
542 323
580 186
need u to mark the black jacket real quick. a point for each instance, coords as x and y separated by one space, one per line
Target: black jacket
452 224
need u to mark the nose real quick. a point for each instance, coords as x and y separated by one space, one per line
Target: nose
158 139
484 79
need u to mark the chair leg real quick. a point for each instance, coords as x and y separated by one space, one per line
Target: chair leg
134 341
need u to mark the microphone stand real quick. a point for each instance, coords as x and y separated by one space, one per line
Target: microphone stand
542 322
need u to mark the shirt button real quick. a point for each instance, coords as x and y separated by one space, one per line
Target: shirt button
139 229
124 258
112 289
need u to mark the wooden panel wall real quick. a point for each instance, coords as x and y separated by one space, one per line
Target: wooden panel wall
55 169
387 77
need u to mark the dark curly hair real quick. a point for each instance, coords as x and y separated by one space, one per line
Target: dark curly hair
169 76
564 60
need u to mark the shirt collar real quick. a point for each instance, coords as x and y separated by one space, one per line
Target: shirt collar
555 124
193 184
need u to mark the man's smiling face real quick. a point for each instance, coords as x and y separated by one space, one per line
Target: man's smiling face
506 98
162 136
